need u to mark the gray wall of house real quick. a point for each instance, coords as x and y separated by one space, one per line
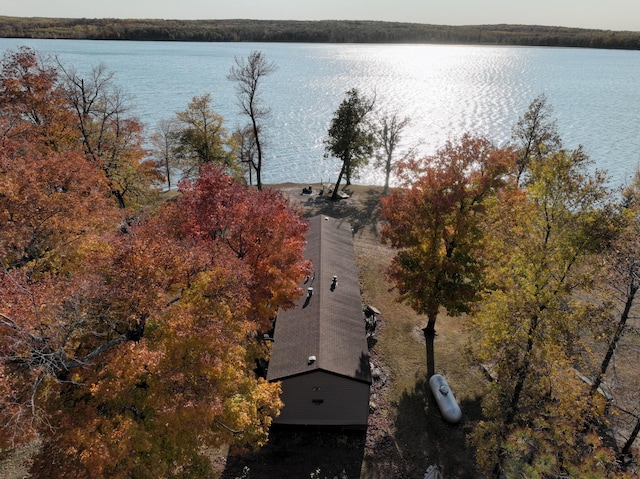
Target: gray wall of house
319 398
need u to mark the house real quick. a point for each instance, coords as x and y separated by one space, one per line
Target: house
320 352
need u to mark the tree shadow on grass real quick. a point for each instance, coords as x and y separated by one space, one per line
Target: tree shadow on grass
424 438
299 452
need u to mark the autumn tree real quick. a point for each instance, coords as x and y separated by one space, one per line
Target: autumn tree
164 146
133 350
203 139
51 195
129 347
388 132
54 208
434 221
111 136
32 104
171 371
350 137
528 328
267 237
48 204
619 283
535 134
248 76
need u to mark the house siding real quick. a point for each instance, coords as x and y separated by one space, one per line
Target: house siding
320 398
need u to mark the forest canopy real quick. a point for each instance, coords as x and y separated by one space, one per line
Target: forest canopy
326 31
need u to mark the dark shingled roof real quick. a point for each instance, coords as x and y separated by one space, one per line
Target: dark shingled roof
330 324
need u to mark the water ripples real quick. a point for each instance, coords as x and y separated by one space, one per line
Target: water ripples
445 90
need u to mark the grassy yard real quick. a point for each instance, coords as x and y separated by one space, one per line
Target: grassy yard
417 432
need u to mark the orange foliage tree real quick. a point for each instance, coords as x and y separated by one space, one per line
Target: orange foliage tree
54 207
33 107
434 222
188 292
55 109
147 354
129 348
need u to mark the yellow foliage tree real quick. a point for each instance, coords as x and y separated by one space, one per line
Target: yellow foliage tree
538 412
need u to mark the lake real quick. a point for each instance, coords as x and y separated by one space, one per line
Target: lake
445 90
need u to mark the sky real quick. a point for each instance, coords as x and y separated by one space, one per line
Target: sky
599 14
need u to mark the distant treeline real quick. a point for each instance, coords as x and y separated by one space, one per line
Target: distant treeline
329 31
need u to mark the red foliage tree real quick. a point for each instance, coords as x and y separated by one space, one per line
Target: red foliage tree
257 228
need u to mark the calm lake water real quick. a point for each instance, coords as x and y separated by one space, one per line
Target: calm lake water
445 90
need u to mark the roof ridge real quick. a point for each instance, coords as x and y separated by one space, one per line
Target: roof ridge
330 324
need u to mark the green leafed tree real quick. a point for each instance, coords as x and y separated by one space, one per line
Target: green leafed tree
203 139
350 136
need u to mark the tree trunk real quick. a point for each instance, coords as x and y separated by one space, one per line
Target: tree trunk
385 190
119 198
430 328
334 195
613 344
347 170
429 336
167 171
259 148
634 434
523 372
431 362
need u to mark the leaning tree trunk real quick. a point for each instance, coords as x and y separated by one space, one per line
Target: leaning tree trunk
334 195
613 344
634 434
